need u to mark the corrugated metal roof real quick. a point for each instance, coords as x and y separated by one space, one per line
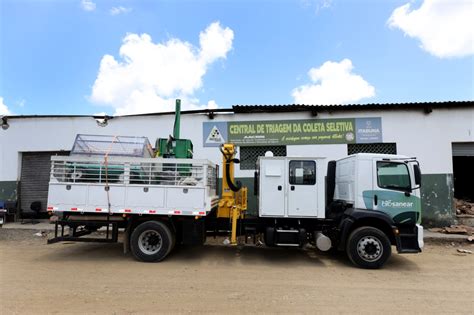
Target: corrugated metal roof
349 107
426 106
199 111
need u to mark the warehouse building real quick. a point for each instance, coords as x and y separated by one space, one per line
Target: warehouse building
440 135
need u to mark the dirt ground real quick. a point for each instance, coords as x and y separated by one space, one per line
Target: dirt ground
98 278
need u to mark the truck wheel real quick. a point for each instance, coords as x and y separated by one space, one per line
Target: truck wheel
151 241
368 247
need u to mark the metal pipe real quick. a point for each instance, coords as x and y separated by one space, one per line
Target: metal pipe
177 119
235 216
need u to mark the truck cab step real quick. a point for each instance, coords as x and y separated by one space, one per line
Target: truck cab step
287 245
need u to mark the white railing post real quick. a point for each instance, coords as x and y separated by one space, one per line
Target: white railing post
126 173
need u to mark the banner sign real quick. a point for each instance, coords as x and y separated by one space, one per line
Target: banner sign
293 132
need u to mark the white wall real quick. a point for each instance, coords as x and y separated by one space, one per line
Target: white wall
429 136
426 136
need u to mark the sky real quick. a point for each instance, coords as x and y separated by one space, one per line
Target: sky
120 57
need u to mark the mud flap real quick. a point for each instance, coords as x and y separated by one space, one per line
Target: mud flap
126 237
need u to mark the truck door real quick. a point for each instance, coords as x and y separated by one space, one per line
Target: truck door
302 193
392 191
272 187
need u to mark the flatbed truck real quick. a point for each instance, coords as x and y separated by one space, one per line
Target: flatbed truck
362 204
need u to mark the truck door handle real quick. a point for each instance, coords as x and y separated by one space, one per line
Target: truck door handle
376 199
279 187
292 187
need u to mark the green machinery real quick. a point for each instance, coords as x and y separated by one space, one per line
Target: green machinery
173 146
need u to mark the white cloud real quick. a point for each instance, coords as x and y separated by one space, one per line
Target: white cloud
445 28
21 103
317 5
212 104
88 5
149 76
100 114
4 108
333 83
119 10
323 4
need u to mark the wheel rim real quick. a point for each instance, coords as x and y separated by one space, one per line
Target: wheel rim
370 248
150 242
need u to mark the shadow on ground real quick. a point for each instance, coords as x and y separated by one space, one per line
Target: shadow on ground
218 254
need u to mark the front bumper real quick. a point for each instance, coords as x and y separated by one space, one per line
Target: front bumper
421 242
3 213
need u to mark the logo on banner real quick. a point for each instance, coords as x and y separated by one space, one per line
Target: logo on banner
215 136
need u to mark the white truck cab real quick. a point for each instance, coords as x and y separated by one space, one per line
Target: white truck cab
361 204
380 182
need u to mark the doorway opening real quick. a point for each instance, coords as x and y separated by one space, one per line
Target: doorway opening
463 174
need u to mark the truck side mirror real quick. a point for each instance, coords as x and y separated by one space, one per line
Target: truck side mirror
416 168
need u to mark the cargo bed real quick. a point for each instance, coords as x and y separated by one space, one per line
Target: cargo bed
116 185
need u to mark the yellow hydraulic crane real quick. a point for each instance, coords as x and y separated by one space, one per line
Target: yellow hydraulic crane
233 202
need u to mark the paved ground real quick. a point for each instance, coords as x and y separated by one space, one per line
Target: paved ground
97 278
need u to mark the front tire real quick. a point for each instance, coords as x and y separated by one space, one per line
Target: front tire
151 241
368 247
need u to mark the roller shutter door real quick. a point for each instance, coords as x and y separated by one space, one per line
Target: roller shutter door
463 149
34 179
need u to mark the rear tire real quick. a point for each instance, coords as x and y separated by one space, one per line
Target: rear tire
269 237
368 247
151 241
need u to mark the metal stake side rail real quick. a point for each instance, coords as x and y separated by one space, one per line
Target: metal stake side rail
90 192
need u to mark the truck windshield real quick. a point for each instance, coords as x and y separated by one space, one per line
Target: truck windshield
393 175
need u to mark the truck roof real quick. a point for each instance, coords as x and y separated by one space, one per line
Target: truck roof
297 157
378 155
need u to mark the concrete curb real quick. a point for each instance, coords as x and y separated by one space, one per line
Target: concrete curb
434 237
